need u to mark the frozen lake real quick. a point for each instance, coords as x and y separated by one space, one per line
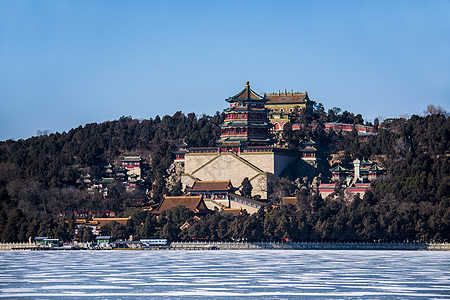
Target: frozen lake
274 274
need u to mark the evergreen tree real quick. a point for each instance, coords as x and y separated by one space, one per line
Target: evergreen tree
246 188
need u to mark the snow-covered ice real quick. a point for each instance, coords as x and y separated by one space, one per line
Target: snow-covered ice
275 274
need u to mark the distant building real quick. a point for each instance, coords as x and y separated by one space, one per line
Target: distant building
181 152
356 180
193 203
108 174
45 241
282 106
129 173
221 195
246 122
361 129
309 152
363 171
103 241
81 224
243 150
133 165
214 190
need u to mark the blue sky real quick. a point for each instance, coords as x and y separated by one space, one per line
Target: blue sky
68 63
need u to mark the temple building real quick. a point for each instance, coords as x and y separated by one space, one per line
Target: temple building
129 173
108 174
363 171
246 122
356 180
220 195
193 203
181 152
282 106
309 152
343 127
214 190
244 148
133 165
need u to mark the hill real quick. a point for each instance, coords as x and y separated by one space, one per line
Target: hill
40 186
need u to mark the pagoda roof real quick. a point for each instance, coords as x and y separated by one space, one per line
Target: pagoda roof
309 149
244 138
193 203
376 167
131 158
182 145
224 142
212 186
339 168
247 94
309 142
287 98
245 124
246 109
181 151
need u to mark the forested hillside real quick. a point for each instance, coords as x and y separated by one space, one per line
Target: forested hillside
40 185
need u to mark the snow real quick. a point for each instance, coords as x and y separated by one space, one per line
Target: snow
193 274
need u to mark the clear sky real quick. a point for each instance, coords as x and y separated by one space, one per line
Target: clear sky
68 63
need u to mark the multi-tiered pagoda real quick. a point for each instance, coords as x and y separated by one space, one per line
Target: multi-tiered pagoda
246 122
244 150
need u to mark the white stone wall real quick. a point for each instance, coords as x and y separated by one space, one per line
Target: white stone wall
195 160
273 163
229 166
263 161
226 167
282 161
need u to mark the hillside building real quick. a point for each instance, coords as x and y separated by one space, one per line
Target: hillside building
244 148
193 203
356 180
309 152
181 152
221 195
246 122
133 165
363 130
282 106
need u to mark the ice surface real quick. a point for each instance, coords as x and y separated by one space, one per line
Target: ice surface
232 274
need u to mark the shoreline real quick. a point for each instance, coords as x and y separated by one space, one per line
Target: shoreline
248 246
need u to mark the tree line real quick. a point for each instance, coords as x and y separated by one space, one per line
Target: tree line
40 187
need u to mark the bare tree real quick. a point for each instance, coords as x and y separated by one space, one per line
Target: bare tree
435 110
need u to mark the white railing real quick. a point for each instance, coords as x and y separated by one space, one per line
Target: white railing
9 246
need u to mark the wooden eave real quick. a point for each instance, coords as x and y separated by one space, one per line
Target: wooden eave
247 94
